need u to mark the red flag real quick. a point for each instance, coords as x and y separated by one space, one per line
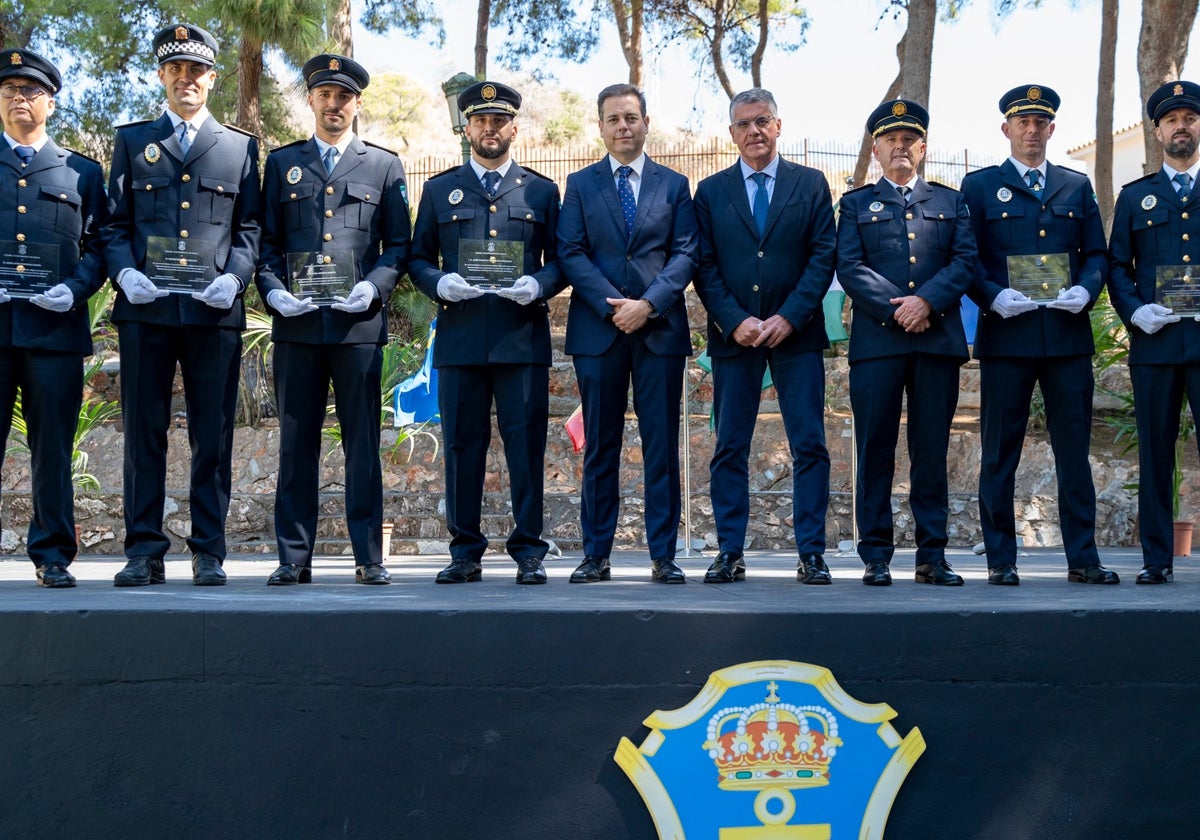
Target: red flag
574 427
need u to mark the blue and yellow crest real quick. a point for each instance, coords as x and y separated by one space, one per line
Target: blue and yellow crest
771 750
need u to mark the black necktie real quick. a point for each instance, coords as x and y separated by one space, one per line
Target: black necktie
904 191
25 153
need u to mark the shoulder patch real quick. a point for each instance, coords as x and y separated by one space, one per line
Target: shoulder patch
233 127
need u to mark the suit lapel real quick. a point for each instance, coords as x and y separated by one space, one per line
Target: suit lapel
351 160
1014 181
735 192
206 138
1054 182
647 194
606 187
786 178
162 132
310 158
49 157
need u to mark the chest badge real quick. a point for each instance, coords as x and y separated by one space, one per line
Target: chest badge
456 196
1004 194
152 153
294 175
1149 202
875 206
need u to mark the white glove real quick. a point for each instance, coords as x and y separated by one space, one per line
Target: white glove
452 288
525 291
138 287
288 305
1071 300
4 298
1151 317
57 298
358 300
1010 302
220 293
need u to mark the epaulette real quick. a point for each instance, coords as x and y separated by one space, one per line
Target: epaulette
132 124
381 148
858 189
82 155
939 184
445 172
1139 180
539 174
981 170
288 145
233 127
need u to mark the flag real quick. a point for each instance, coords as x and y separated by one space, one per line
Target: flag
574 427
415 400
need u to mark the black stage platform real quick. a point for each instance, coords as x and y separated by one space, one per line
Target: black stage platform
489 710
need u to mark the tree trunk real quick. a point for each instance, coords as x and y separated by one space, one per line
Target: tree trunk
914 53
1105 189
340 28
629 19
249 78
716 49
483 19
1162 50
764 19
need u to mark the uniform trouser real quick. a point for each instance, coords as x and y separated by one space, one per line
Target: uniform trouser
1157 402
877 391
303 374
1006 386
799 380
604 383
209 360
522 397
51 386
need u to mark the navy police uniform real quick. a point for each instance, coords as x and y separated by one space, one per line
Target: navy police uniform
211 195
888 248
56 199
489 348
361 207
1154 226
1047 346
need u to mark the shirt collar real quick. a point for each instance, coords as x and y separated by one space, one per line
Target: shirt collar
1023 170
912 185
196 121
479 170
341 147
1193 170
637 164
36 144
770 169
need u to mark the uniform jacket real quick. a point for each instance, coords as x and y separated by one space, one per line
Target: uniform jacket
488 329
57 200
786 272
213 196
1153 226
362 207
1009 218
656 263
887 250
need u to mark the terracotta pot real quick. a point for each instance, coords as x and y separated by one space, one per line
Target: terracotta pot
1183 539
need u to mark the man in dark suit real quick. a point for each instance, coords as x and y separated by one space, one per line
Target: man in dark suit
767 246
333 196
180 184
628 246
53 200
493 333
906 255
1029 209
1155 230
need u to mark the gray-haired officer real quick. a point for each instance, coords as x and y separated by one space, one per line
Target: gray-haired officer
1043 262
342 201
185 188
1156 228
52 202
906 255
492 346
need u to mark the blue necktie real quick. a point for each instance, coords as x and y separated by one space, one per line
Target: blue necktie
25 153
184 142
1183 183
904 193
491 182
330 160
1035 180
625 194
761 203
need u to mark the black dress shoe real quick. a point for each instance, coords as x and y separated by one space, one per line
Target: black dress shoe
664 570
813 571
207 571
461 571
877 574
939 574
1156 574
54 576
591 570
727 568
140 571
372 574
288 574
1093 574
530 571
1004 576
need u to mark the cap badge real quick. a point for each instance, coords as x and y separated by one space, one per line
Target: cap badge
181 33
334 64
293 175
1033 94
488 93
899 109
1004 194
1149 202
456 195
875 206
152 153
15 59
1177 90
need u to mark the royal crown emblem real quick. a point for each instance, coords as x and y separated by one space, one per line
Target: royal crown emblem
899 109
181 33
1177 90
334 64
488 93
15 58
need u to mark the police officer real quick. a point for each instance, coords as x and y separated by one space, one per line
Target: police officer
1031 209
492 345
181 178
51 197
337 195
1157 226
905 256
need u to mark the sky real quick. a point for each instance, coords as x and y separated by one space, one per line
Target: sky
826 89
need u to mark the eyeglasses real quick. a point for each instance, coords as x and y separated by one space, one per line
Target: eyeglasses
760 123
27 92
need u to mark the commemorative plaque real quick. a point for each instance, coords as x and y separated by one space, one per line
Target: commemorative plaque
491 263
28 268
324 277
1178 288
180 266
1040 277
